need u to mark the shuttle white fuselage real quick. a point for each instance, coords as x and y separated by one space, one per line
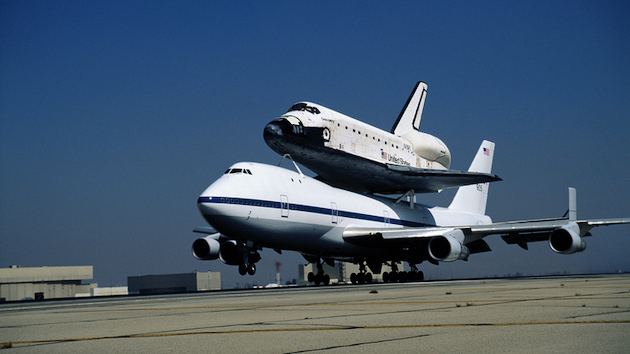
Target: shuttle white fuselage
353 155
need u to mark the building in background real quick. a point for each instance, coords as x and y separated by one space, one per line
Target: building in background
173 283
39 283
42 283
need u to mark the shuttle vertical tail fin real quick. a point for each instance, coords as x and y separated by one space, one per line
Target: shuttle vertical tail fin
473 198
411 114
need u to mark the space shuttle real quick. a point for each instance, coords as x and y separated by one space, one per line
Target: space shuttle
349 154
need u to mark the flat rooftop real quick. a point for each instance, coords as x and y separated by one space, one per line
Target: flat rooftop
17 274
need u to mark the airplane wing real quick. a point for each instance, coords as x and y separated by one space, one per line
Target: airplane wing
514 232
205 230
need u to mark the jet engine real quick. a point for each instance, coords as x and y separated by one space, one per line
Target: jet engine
567 240
231 253
206 248
448 247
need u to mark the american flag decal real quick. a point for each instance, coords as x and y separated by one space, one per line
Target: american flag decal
384 155
486 151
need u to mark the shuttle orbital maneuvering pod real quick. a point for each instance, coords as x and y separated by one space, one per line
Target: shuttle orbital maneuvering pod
341 215
353 155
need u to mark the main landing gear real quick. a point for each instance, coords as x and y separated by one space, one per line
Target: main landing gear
320 277
402 277
364 277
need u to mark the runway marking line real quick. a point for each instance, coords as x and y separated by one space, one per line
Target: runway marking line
451 325
580 297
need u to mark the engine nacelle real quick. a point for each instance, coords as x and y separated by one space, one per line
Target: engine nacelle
429 147
231 253
567 240
206 248
448 247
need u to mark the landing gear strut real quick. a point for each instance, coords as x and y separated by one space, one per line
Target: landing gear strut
248 264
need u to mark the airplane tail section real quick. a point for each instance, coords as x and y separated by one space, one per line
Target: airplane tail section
409 118
473 198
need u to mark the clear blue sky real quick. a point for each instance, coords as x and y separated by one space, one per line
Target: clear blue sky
115 116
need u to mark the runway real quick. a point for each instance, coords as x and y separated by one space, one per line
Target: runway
551 314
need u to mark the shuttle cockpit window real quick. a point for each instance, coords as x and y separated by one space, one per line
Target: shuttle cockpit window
304 107
238 170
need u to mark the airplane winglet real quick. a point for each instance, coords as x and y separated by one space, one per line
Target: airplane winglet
411 113
572 204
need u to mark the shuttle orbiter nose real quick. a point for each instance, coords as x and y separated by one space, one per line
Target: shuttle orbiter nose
276 133
273 130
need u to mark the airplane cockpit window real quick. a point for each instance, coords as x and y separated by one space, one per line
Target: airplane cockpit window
238 170
304 107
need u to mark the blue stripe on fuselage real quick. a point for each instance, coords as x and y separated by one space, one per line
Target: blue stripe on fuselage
307 209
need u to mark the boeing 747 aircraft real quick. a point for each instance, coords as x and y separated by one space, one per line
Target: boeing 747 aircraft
353 155
255 206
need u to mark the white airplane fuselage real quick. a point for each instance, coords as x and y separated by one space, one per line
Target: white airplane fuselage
268 206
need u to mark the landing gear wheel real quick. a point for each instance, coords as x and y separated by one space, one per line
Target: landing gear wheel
321 278
368 278
393 277
385 277
353 278
251 269
242 269
361 278
310 277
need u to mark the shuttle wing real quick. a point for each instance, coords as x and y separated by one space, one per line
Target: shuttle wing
406 177
391 179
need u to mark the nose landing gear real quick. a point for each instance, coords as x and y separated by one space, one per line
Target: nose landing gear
248 263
